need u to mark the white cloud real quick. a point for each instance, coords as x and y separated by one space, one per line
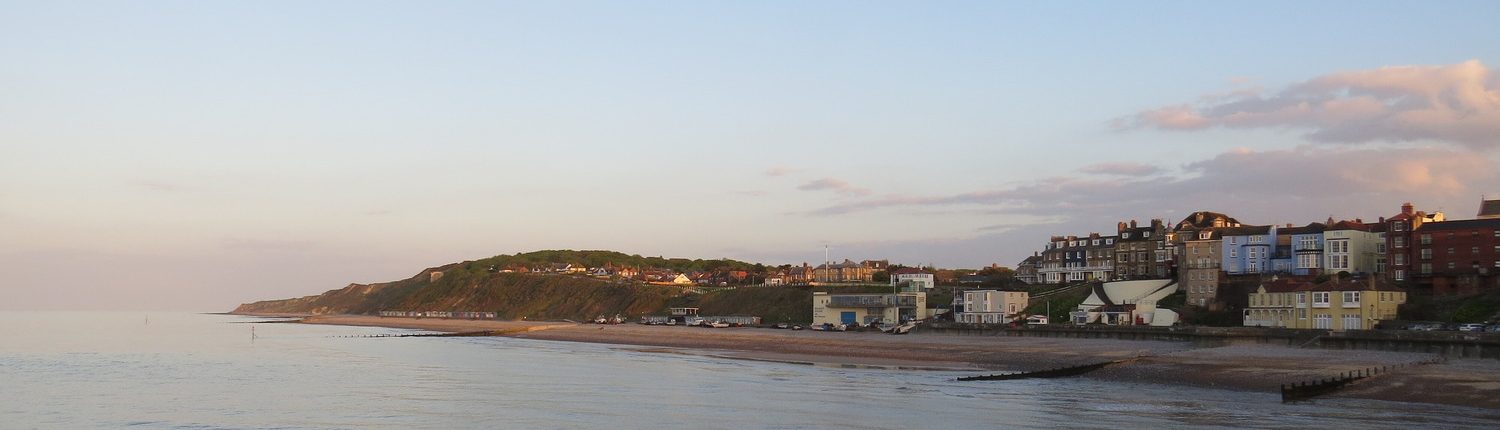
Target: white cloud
835 185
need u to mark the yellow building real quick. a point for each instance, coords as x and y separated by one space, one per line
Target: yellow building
867 308
848 271
1332 305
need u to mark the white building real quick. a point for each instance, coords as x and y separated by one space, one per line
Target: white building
916 280
992 307
1128 303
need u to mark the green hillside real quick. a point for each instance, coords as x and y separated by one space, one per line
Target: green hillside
478 286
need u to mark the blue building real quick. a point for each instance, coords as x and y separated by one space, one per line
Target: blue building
1248 250
1306 245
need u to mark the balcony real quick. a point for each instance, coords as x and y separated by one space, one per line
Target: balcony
884 301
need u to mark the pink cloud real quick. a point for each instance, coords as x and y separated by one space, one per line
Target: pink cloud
1122 169
781 171
1457 103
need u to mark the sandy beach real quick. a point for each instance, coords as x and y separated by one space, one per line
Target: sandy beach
1261 368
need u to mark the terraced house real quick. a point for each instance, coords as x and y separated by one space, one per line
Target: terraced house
1142 252
1077 259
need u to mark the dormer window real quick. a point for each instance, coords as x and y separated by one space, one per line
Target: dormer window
1205 235
1125 236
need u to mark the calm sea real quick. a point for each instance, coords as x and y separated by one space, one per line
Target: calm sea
71 370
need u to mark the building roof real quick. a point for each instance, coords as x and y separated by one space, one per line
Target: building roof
910 271
1249 230
1460 225
1489 208
1206 219
1136 234
1349 225
1312 228
1298 284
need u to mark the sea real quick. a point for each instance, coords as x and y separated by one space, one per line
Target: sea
129 370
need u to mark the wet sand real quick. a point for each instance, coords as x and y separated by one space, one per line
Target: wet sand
1261 368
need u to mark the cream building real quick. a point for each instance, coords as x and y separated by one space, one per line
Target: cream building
1352 246
837 308
1332 305
992 306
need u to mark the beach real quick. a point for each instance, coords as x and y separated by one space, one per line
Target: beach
1258 367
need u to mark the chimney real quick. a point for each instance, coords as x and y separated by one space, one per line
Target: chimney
1407 209
1120 227
1132 223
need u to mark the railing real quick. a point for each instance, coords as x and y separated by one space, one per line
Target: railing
871 301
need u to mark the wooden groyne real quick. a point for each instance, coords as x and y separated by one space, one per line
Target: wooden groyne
1304 390
1049 373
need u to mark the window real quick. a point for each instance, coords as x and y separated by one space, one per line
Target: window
1323 321
1400 242
1320 299
1426 254
1205 235
1351 322
1427 239
1450 251
1450 265
1426 268
1399 274
1351 299
1398 226
1233 252
1400 260
1474 250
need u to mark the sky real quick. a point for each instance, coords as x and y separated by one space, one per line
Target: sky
196 155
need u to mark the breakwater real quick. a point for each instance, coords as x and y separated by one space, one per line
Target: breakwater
1304 390
1449 344
1048 373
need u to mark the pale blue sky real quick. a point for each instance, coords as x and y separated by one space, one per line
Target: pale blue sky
218 152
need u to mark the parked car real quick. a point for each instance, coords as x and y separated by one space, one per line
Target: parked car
718 324
797 327
1471 327
780 326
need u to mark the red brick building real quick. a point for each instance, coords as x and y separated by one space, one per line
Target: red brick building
1457 257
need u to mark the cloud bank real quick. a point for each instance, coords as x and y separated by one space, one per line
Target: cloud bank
1458 104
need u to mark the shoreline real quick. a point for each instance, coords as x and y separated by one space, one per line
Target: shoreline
1259 367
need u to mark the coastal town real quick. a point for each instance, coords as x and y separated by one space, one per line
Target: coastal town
1328 275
